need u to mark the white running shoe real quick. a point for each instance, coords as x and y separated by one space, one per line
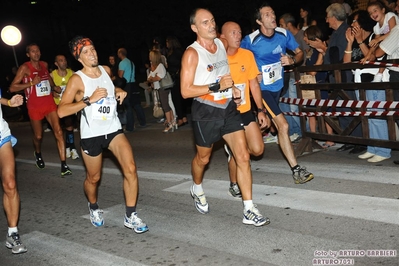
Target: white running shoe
200 201
135 223
74 154
253 217
269 138
294 137
14 243
68 152
96 217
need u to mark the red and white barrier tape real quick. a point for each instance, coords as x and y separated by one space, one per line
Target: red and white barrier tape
341 103
381 64
366 113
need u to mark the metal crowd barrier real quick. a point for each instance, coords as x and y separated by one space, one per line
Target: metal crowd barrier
328 110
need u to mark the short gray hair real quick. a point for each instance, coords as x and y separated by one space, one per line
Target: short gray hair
336 10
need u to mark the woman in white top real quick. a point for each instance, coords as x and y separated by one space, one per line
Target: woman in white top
158 72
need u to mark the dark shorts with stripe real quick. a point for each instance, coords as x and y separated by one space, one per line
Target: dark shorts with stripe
94 146
208 132
248 117
272 99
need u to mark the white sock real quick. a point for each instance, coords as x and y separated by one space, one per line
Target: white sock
12 230
198 189
248 204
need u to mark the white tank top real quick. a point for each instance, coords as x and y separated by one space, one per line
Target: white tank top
100 118
210 66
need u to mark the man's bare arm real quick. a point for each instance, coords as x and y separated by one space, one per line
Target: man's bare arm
71 98
16 84
187 74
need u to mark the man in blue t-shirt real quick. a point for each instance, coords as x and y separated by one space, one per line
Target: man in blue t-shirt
126 69
269 44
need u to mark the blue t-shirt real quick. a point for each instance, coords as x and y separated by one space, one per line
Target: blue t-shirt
267 52
128 67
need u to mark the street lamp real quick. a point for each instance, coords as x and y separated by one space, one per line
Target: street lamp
11 36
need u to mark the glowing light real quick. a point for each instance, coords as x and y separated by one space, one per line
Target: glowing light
11 35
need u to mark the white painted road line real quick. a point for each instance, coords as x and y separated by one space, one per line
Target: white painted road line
57 251
365 173
353 206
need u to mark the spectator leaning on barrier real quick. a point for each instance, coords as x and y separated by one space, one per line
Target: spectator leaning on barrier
333 54
358 36
390 47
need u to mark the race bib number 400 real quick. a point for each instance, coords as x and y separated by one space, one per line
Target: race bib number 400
271 73
43 88
104 109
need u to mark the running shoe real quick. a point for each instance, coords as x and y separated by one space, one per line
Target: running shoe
301 175
68 152
234 191
294 137
96 217
200 201
253 216
74 154
269 138
39 161
228 151
14 243
65 170
135 223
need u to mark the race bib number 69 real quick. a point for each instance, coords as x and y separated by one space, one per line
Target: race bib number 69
271 73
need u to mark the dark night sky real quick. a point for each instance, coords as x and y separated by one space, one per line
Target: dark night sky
129 23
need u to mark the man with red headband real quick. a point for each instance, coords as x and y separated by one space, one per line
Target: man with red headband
92 92
35 79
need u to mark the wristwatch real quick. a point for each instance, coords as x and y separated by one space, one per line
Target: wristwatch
86 100
214 87
293 59
262 110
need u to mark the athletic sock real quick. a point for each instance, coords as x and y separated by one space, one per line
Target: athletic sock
296 167
248 204
130 210
93 206
198 189
12 230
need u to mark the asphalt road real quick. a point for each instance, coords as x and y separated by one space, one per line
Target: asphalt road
351 205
